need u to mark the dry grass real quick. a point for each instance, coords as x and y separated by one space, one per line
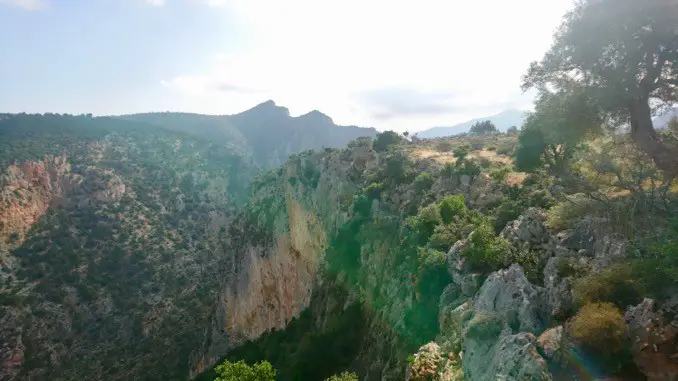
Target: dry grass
448 157
515 178
429 153
492 156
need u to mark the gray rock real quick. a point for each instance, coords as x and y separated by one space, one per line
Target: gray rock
499 341
529 227
512 358
558 289
460 271
509 293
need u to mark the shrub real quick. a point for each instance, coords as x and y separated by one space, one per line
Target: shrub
444 146
600 328
492 148
569 267
461 152
423 182
565 214
615 285
499 175
486 251
452 206
374 190
506 212
346 376
239 371
444 236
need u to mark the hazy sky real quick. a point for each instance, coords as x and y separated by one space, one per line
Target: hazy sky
404 65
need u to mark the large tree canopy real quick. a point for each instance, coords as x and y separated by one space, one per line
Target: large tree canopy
625 54
553 132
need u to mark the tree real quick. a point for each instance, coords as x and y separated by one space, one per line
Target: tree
483 128
460 153
513 130
624 53
385 140
555 130
239 371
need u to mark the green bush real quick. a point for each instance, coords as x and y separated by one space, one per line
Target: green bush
486 251
452 206
345 376
461 152
564 215
569 267
373 191
239 371
600 328
444 236
423 182
615 285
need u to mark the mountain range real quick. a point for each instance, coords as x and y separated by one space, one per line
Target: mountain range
267 131
502 121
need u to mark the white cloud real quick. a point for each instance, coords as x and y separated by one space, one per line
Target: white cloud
156 3
335 56
29 5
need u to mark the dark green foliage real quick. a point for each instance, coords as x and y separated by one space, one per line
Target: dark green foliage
397 169
452 206
531 145
386 140
615 285
483 128
461 152
486 252
513 130
239 371
306 350
423 182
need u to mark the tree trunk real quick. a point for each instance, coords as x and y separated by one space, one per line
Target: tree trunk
647 139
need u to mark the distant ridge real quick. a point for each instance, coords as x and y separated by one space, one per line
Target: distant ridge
266 131
503 121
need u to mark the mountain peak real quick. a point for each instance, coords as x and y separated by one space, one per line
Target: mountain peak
269 108
317 116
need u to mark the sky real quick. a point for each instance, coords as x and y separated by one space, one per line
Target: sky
389 64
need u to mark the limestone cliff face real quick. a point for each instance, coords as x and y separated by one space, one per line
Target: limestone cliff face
276 247
26 191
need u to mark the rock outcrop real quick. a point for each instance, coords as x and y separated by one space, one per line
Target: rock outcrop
653 331
499 335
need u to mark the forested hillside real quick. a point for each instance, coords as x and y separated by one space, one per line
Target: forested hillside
109 241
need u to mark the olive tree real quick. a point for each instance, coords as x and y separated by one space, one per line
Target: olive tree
624 53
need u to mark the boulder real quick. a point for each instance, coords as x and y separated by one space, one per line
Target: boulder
512 358
499 341
530 227
558 289
460 271
509 293
653 331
